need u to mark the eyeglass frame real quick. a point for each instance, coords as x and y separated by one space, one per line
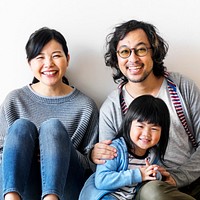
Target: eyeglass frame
133 49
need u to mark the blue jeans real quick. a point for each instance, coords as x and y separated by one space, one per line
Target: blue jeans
56 171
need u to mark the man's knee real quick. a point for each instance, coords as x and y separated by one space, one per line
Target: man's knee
152 190
162 191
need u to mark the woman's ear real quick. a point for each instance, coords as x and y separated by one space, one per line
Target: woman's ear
29 64
68 58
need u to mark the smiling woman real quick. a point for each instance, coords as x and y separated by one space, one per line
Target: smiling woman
47 128
48 68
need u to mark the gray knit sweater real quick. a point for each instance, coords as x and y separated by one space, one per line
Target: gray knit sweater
76 111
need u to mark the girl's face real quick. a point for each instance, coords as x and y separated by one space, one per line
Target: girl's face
144 136
50 65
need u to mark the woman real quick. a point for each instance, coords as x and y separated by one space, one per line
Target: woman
47 127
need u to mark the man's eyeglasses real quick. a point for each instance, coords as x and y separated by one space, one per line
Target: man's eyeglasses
125 52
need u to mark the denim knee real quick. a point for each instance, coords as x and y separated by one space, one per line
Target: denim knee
52 127
23 127
17 156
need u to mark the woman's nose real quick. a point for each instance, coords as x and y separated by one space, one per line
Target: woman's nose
48 62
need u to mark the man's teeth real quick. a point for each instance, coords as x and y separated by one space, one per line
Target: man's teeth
49 73
134 68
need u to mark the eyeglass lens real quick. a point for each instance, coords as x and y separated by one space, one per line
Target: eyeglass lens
125 52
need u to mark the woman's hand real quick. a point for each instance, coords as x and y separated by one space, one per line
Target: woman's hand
103 151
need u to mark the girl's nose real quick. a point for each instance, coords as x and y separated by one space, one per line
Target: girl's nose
146 132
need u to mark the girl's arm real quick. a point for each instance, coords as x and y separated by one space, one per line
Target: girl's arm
111 176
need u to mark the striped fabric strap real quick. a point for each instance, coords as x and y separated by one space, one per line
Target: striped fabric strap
123 105
179 109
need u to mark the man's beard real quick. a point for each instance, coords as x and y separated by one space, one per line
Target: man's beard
144 77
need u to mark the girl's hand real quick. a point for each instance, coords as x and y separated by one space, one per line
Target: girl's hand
149 171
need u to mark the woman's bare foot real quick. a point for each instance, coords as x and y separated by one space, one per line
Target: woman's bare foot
12 196
51 197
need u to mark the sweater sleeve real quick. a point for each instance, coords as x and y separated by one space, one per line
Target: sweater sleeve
3 128
110 117
5 114
108 177
114 173
189 171
90 137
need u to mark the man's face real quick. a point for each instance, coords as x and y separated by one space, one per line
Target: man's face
136 68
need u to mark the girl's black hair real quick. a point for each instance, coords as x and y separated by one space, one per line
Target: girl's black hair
39 39
147 108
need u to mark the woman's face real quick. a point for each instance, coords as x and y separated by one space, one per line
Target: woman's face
50 65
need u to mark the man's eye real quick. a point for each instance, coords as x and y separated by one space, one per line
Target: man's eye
141 50
125 51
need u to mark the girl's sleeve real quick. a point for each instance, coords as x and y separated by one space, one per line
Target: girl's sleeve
108 176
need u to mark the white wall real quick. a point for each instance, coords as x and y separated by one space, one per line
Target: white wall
85 24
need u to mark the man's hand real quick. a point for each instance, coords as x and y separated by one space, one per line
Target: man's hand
103 151
167 177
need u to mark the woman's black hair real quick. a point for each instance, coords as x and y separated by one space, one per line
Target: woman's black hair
147 108
158 45
39 39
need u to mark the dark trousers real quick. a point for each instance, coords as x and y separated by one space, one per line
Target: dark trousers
163 191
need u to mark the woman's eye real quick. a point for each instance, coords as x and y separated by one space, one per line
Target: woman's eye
56 56
39 57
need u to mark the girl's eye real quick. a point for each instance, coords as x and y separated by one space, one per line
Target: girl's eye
155 128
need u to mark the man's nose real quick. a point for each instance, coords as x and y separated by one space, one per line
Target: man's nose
133 57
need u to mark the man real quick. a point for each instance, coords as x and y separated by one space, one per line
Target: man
136 52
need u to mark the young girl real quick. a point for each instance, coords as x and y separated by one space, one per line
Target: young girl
140 144
47 128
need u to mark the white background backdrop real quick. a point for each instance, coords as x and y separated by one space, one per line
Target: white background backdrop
85 24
